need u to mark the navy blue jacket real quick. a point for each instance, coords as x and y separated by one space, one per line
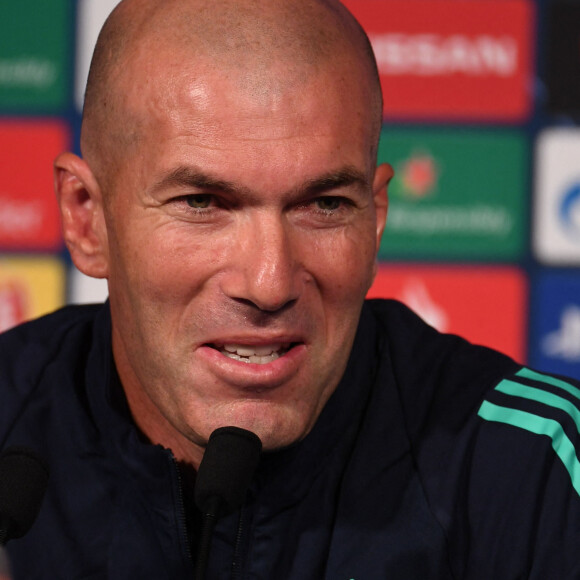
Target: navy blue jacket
434 459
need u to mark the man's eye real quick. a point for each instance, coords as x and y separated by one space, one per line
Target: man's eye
328 203
199 200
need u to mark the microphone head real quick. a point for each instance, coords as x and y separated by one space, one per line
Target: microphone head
226 470
23 483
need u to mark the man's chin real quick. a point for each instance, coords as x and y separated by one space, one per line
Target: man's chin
274 432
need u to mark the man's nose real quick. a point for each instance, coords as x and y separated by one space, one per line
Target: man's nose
265 270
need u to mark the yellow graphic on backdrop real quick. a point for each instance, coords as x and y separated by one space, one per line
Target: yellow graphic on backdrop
29 287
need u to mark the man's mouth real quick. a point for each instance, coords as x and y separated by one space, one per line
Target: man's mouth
262 354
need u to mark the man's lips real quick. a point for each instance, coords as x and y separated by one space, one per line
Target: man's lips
253 365
257 354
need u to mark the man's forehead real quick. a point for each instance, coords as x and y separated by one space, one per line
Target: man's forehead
268 47
171 84
169 80
310 120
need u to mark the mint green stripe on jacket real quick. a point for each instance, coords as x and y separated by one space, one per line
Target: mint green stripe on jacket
547 379
532 393
561 444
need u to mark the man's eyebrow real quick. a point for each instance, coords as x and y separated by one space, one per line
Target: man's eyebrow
344 177
185 176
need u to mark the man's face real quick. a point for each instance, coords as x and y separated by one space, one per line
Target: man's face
242 234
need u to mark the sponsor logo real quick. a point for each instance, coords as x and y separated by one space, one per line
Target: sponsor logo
415 294
437 55
419 175
472 221
443 59
18 218
34 49
27 72
29 217
486 305
555 322
564 343
29 287
438 209
570 211
556 235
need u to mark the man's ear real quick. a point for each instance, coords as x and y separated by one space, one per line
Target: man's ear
83 221
383 176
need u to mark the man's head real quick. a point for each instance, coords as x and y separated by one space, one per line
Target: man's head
229 194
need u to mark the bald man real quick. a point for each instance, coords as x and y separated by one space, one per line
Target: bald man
229 193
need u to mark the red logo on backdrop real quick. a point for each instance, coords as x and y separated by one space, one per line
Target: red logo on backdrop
29 216
450 59
419 175
486 305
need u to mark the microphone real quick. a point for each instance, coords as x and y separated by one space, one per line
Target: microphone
224 475
23 482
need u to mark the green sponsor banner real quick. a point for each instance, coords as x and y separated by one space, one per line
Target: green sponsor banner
35 47
456 194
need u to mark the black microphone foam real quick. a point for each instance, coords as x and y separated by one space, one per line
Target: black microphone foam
226 470
23 482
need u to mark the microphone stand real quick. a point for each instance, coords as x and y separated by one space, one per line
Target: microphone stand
224 475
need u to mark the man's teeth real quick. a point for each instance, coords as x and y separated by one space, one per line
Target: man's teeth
254 354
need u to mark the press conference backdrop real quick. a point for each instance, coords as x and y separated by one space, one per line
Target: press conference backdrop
482 99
